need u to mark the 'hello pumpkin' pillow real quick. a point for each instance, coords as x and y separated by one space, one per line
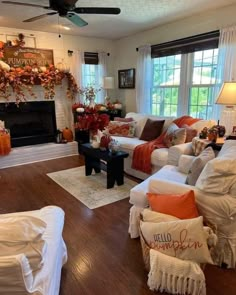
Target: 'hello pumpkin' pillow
184 239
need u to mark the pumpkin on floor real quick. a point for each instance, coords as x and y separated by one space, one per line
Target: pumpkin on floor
67 134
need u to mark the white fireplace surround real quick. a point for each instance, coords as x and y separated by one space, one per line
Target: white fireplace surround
42 152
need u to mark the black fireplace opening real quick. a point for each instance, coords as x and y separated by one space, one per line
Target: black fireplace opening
29 123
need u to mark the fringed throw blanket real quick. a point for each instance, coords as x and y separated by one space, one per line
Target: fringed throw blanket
142 153
175 276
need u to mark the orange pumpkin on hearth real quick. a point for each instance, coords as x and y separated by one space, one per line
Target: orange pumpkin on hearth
67 134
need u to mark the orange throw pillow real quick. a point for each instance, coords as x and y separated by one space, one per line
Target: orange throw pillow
181 206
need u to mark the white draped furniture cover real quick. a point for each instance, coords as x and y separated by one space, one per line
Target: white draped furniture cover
16 277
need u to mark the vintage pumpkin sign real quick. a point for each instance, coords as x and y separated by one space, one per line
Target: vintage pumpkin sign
26 56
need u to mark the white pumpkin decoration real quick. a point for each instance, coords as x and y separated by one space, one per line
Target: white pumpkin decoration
61 66
80 110
43 69
103 108
4 66
118 106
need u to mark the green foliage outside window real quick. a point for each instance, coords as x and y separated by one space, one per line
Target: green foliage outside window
167 79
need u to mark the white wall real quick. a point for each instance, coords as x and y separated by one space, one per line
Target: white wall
123 53
60 47
126 56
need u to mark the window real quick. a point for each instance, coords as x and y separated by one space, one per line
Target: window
90 69
90 74
166 82
184 76
203 82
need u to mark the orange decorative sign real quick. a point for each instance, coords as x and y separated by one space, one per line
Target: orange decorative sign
25 56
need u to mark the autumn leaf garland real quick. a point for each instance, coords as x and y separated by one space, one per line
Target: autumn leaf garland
18 82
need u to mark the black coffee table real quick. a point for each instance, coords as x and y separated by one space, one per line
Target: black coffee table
99 160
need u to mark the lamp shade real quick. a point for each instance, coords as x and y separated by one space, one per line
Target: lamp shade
227 95
108 82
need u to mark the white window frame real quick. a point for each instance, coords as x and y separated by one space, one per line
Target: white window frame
186 76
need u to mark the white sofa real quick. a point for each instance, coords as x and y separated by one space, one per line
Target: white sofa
160 157
16 276
215 193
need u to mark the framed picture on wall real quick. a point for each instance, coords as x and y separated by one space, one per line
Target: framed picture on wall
126 78
234 130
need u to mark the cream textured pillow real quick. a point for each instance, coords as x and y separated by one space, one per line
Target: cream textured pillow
174 135
153 216
185 163
218 176
184 239
198 164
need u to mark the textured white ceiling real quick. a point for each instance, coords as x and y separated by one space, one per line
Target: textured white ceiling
135 16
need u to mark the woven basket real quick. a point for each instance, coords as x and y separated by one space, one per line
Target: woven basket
145 251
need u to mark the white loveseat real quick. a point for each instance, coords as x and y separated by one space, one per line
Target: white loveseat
215 193
16 275
160 157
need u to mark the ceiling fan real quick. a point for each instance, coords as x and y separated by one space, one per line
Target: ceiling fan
67 9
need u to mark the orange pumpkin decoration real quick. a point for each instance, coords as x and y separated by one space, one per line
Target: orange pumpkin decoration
5 144
67 134
1 44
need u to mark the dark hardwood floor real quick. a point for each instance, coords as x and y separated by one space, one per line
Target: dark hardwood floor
102 259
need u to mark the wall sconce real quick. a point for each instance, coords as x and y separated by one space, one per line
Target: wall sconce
69 52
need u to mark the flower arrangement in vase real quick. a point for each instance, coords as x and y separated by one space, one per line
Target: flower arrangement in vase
89 118
90 94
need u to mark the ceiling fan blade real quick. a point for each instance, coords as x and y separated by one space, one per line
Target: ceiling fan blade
75 19
24 4
97 10
32 19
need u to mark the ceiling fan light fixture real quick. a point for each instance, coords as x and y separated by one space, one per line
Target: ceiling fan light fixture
66 28
66 9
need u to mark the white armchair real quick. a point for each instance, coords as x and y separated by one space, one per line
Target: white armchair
215 193
16 274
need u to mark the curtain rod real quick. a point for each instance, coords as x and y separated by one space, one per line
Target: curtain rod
70 52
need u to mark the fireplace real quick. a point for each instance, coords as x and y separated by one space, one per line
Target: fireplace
29 123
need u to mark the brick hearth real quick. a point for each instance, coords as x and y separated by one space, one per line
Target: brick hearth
35 153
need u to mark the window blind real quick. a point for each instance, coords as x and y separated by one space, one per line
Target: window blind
204 41
91 58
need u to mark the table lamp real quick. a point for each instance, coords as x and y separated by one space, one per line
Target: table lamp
227 97
108 83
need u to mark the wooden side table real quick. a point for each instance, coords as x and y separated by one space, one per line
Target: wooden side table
114 163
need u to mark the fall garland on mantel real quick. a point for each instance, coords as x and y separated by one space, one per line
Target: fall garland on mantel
18 81
21 80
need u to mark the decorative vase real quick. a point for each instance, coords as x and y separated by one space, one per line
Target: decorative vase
91 100
221 130
114 146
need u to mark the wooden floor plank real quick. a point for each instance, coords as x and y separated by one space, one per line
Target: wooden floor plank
102 259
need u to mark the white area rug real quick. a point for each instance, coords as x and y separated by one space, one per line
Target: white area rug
91 190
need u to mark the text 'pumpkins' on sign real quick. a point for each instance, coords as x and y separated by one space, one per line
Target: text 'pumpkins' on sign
25 56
